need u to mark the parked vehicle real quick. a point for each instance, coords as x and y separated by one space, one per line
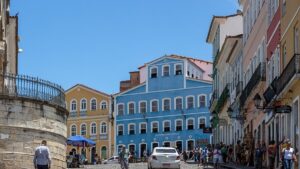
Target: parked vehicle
112 160
164 157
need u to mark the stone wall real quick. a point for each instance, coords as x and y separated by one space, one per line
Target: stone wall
23 125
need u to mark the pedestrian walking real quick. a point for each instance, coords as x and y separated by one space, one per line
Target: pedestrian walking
258 156
216 157
272 154
123 158
289 156
238 152
184 156
42 158
224 153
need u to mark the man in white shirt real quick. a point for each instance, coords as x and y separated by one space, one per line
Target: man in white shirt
42 159
288 156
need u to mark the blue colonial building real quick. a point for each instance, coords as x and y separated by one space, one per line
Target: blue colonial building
168 108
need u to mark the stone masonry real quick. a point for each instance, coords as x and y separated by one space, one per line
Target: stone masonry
24 123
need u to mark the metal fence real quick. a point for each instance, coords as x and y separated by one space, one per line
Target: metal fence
32 88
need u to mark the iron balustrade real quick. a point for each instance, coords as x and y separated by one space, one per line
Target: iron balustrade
258 75
213 98
32 88
292 68
239 88
270 93
222 99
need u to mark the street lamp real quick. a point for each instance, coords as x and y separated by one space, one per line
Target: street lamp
230 114
277 109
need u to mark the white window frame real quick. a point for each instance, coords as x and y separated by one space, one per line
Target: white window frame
186 101
164 125
187 123
118 130
142 101
151 104
163 105
71 104
81 109
91 102
91 129
152 126
101 103
177 64
81 128
123 108
178 97
151 68
199 121
205 105
72 130
140 127
162 70
101 132
129 128
176 124
131 102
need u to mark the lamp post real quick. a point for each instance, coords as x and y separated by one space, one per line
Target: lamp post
277 108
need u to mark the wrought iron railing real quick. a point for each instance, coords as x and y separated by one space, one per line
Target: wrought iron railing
239 88
258 75
32 88
270 93
213 98
287 74
222 99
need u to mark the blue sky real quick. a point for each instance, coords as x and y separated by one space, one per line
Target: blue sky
97 42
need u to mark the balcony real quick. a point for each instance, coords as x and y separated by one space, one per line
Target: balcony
32 88
239 88
73 114
292 69
103 136
270 93
222 100
258 75
2 47
213 100
83 113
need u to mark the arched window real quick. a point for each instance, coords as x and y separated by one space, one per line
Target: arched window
93 104
73 130
103 105
190 102
93 129
103 128
153 72
202 101
154 126
120 130
154 106
167 126
131 109
166 70
83 129
73 105
103 153
166 104
178 103
83 104
120 109
190 124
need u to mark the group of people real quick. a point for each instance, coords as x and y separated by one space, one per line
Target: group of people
199 155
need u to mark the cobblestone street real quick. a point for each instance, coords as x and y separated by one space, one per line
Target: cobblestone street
141 166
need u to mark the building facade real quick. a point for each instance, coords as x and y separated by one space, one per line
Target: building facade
169 108
227 47
90 117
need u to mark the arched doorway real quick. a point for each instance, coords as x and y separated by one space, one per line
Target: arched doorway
103 153
190 145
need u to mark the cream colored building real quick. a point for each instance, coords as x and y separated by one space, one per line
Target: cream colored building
90 117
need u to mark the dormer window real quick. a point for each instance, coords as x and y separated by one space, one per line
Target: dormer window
166 70
178 69
153 72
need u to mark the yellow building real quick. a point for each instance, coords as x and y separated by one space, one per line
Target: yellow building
288 84
90 117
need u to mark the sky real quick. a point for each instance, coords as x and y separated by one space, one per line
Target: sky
98 42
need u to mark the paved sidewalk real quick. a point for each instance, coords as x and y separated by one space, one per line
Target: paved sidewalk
234 166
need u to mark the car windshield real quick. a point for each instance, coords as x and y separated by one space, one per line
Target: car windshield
165 150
